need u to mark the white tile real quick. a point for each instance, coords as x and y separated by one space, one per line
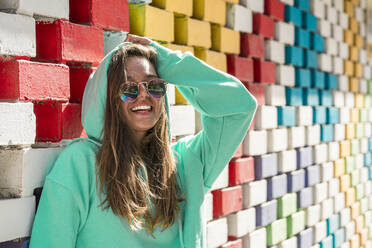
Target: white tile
266 117
241 222
216 233
255 143
275 95
285 75
287 161
312 135
296 137
277 139
239 18
254 193
274 51
284 32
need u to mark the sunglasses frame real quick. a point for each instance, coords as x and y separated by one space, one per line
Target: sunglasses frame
127 98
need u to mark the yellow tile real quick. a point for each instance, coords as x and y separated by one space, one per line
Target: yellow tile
359 223
353 53
355 2
339 167
354 117
354 241
232 1
349 8
364 236
192 32
215 59
354 84
344 148
225 40
359 41
358 70
149 21
355 210
350 131
179 98
353 25
210 10
348 37
182 48
344 182
348 68
359 100
350 196
178 6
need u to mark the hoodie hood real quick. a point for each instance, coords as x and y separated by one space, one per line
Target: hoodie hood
94 99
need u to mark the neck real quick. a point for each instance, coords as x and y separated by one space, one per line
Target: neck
138 136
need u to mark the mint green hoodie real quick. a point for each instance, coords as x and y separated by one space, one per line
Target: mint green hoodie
69 214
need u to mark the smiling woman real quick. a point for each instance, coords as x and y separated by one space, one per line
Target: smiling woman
126 185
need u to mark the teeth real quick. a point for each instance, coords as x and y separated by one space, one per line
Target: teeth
143 107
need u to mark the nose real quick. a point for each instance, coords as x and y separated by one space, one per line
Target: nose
142 91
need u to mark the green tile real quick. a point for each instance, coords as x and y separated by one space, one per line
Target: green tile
359 130
355 177
367 101
354 146
363 115
287 205
349 164
295 223
276 232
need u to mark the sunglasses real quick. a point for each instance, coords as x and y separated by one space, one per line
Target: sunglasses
156 88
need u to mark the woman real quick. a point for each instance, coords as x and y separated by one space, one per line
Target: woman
126 186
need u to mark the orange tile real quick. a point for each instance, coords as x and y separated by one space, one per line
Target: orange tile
339 167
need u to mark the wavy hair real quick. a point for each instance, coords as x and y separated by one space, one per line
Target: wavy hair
138 180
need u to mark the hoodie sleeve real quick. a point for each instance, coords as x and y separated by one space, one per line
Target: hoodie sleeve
226 107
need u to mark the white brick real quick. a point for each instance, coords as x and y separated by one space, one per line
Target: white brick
338 65
326 171
367 129
19 37
285 75
315 246
58 9
326 208
320 153
333 187
345 245
331 14
317 7
338 98
289 243
242 222
320 192
288 2
363 88
362 29
359 161
368 189
337 33
343 83
183 120
363 175
296 137
367 72
320 231
325 62
339 202
304 115
312 135
339 132
364 143
23 170
367 101
274 51
222 180
339 5
254 5
370 115
20 125
312 215
327 2
333 151
363 56
343 19
287 161
256 239
277 139
344 115
17 216
275 95
266 117
208 206
343 50
324 28
349 100
171 93
255 143
239 18
216 233
330 46
359 14
254 193
284 32
349 230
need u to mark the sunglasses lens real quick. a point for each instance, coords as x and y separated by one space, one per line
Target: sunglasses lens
157 88
129 92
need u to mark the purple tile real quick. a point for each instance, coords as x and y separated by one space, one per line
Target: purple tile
266 213
304 157
276 186
312 175
305 197
296 180
265 165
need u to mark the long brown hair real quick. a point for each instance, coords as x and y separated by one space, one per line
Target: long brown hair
139 179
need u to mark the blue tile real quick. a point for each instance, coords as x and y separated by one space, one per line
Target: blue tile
265 165
266 213
370 173
287 116
305 238
326 133
312 175
331 81
318 78
310 59
317 42
339 237
325 98
304 156
367 159
311 97
294 55
309 22
333 115
293 14
296 180
327 242
333 223
305 197
302 77
293 96
319 115
370 144
302 38
276 186
302 5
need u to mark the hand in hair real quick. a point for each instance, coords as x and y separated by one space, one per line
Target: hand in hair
138 39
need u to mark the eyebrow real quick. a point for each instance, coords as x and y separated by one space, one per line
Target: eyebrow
147 76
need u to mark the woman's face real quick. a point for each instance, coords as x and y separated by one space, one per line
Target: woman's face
138 70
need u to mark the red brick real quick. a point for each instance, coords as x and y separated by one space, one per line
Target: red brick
79 75
274 9
239 152
24 80
258 91
264 71
241 170
233 244
252 46
263 25
62 41
108 14
240 67
71 121
227 201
